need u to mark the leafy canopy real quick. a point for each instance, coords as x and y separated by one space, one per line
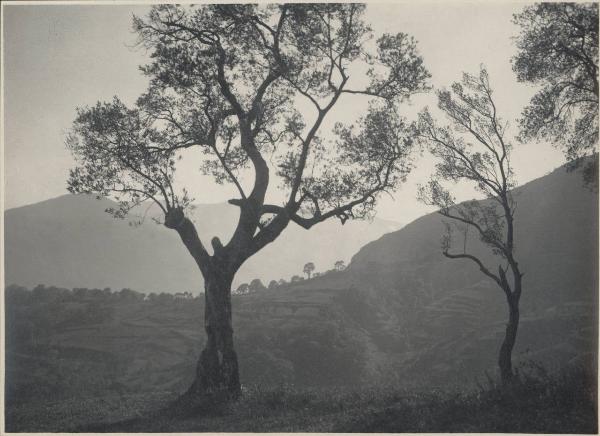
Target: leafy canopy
558 50
472 148
227 80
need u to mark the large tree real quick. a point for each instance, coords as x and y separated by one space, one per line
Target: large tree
250 87
474 148
558 50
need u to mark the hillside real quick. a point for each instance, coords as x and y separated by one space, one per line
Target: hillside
70 242
451 318
426 319
400 315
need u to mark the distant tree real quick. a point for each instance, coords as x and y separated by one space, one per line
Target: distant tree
316 274
295 279
39 289
97 294
256 285
82 293
242 289
165 298
308 269
127 295
282 282
226 80
558 50
273 284
474 149
17 294
340 265
151 297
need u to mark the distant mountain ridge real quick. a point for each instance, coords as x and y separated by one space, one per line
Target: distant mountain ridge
70 241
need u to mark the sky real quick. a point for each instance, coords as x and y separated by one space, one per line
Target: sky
59 57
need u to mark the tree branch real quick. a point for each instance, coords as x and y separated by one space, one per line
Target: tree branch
482 267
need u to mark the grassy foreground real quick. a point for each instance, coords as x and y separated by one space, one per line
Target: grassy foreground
564 403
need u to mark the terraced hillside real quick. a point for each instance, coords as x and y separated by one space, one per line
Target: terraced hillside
401 314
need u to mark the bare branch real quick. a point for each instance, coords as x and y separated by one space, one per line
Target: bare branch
482 267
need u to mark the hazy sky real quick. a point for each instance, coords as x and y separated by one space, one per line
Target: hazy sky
59 57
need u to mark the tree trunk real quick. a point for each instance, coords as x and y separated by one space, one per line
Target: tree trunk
510 337
217 370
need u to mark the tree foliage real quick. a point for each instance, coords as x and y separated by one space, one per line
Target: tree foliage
242 289
256 285
558 50
226 79
472 148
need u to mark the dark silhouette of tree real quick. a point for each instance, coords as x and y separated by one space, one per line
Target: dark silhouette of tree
308 269
282 282
225 80
474 149
256 285
127 294
273 284
242 289
558 50
151 297
164 298
182 296
340 265
296 279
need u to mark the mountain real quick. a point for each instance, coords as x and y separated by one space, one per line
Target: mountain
401 314
423 319
70 241
446 320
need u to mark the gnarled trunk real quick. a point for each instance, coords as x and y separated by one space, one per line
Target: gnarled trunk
510 337
217 368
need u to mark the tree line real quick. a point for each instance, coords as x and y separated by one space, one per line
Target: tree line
16 293
257 285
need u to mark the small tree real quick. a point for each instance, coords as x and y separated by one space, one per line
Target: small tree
273 284
256 285
558 49
474 149
164 298
296 279
226 80
242 289
308 269
340 265
131 295
151 297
